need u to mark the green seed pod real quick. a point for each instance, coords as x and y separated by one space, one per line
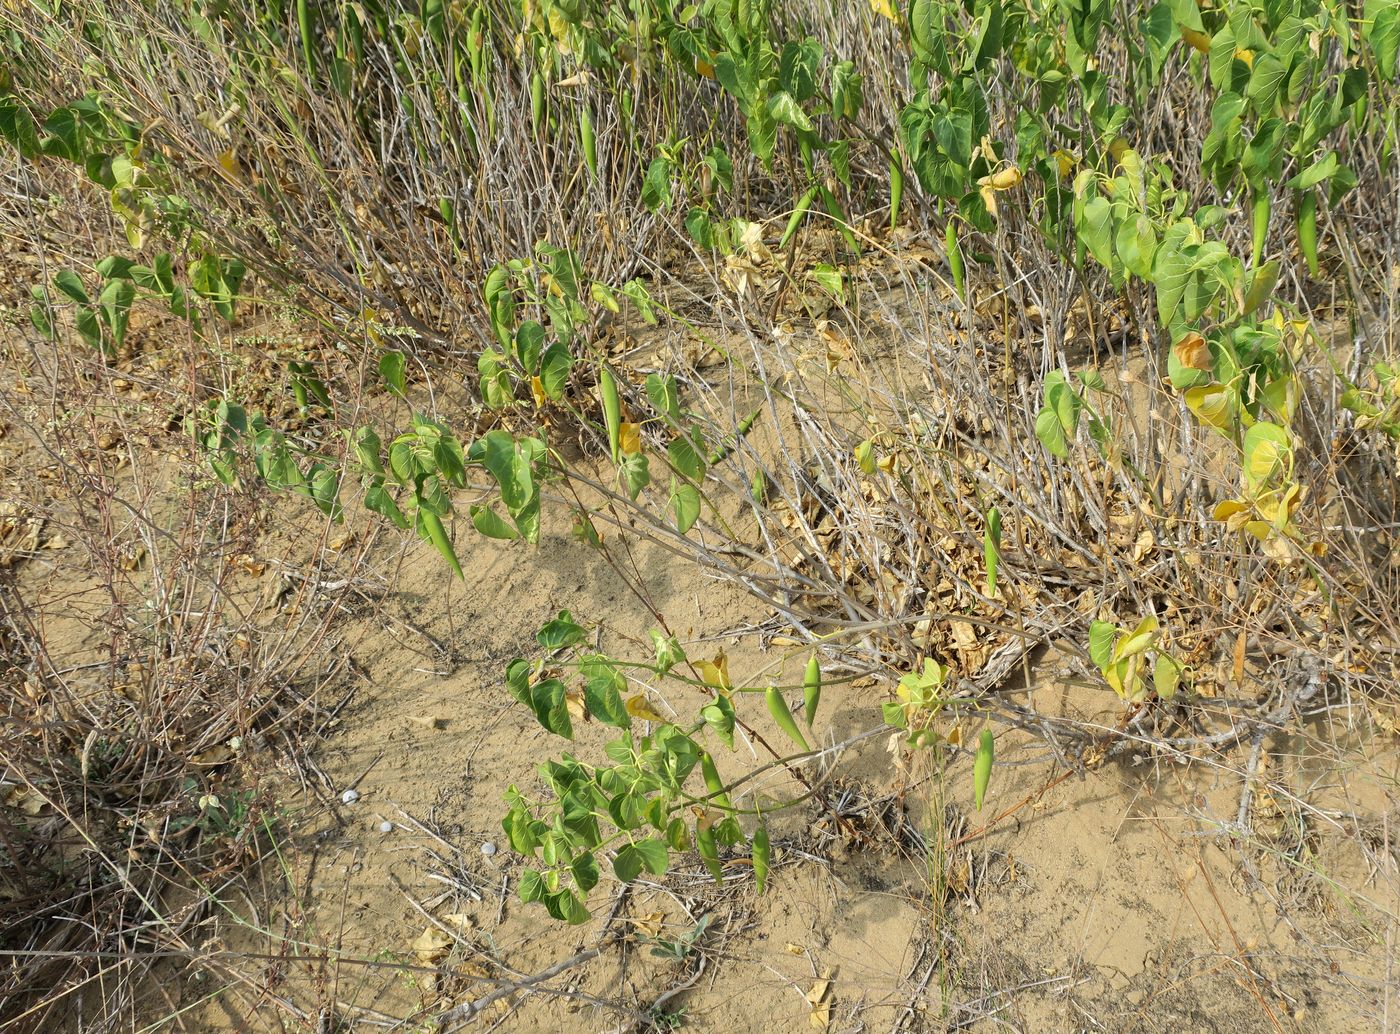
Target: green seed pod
537 101
1307 229
590 145
476 40
1261 208
437 535
758 487
306 26
709 851
612 412
955 261
727 449
762 855
795 220
811 690
778 708
713 783
982 767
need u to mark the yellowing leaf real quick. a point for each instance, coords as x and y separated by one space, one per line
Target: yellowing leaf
1225 510
1267 448
228 162
1234 513
1213 403
537 390
1277 507
1196 39
989 199
631 438
1166 676
865 456
559 28
1261 530
1005 179
884 8
1124 678
715 673
1138 641
638 707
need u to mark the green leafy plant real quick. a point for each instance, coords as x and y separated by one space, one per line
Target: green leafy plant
1126 657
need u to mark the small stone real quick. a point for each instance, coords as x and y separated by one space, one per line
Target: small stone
386 827
488 849
350 797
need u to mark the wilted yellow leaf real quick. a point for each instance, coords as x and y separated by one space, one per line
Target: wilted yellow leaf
989 199
715 673
1005 179
638 707
1192 353
884 8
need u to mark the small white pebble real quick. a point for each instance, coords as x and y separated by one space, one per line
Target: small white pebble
386 827
488 849
350 797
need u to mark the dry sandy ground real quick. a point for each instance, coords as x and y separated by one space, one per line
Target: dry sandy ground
1108 903
1112 902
